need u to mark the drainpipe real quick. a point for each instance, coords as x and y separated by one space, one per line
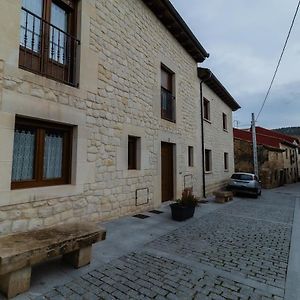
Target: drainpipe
202 133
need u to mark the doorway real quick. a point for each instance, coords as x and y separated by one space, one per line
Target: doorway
167 171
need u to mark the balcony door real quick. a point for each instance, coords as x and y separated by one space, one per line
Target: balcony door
47 42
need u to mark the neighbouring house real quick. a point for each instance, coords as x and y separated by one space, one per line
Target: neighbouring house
100 111
218 106
277 156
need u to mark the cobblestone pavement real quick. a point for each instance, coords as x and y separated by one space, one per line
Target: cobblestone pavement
239 251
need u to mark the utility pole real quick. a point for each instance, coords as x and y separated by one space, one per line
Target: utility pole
255 161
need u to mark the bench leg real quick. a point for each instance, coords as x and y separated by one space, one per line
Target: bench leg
15 283
79 258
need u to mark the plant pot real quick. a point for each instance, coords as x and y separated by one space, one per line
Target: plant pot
180 212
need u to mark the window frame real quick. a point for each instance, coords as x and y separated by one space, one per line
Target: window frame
168 87
41 63
190 156
41 127
206 109
208 162
133 158
226 161
225 122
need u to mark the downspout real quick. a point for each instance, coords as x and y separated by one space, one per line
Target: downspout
202 134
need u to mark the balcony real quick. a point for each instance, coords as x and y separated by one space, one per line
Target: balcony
167 105
47 50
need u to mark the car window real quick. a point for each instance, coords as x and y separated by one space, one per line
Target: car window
242 177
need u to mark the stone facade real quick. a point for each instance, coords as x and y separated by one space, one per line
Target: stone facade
219 141
270 162
275 165
123 46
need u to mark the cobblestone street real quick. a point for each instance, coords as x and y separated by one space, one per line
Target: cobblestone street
238 250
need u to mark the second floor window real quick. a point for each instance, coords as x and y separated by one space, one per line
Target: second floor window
224 121
167 97
47 39
206 109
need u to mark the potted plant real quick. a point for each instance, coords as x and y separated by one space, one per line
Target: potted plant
184 207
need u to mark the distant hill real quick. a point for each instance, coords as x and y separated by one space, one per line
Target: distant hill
294 131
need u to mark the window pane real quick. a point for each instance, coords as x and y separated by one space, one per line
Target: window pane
30 35
23 155
59 19
53 155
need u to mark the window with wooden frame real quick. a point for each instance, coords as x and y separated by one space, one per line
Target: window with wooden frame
206 109
225 161
191 156
224 116
167 97
48 45
42 154
133 152
208 163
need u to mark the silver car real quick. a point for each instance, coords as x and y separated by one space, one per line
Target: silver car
245 183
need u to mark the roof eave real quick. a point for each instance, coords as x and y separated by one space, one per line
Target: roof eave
213 83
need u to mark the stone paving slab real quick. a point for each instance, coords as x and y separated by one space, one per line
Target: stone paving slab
145 276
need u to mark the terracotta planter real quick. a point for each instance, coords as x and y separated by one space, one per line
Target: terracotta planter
180 212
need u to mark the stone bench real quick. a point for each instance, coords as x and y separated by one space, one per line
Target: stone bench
223 196
19 252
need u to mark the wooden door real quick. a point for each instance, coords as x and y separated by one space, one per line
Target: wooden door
167 172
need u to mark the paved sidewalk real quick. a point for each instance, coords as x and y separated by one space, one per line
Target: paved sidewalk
238 250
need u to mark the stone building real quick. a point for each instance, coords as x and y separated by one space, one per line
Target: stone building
277 156
218 105
99 110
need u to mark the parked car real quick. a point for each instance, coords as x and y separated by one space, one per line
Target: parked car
245 183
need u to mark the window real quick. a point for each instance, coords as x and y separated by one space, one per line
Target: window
133 152
206 109
47 39
207 160
41 155
286 153
167 98
191 156
224 121
225 161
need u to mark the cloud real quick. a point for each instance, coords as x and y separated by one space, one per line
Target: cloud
245 39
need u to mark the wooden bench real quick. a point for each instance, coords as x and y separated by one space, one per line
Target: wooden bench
19 252
223 196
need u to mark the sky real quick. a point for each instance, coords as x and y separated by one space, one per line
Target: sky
245 39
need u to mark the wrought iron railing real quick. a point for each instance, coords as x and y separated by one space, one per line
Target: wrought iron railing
167 105
47 50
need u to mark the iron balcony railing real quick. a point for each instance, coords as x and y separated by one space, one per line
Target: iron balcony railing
167 105
48 50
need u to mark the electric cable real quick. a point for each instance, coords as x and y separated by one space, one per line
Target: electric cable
279 62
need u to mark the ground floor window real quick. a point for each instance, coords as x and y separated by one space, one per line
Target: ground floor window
191 156
41 155
208 164
225 161
133 152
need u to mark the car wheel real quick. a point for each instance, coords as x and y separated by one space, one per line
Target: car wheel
256 194
259 194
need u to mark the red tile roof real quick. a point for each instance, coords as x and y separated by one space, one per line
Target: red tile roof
264 140
281 136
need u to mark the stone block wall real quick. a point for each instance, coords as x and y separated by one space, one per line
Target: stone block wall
122 48
218 141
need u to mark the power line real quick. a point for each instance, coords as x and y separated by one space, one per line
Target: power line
276 70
